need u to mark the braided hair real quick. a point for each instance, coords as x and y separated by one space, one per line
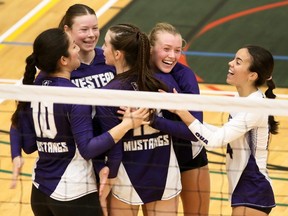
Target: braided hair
263 65
48 48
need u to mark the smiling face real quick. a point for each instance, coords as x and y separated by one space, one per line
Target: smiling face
239 73
85 32
166 51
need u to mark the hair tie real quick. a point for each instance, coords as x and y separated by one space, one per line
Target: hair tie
270 78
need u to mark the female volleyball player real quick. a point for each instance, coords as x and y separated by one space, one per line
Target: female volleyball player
82 23
148 172
166 49
246 134
63 181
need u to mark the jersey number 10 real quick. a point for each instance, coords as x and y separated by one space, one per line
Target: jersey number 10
43 117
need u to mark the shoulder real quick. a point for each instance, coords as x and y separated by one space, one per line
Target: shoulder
185 78
41 75
183 72
258 94
251 119
99 57
99 52
97 67
168 79
63 82
54 81
114 84
181 67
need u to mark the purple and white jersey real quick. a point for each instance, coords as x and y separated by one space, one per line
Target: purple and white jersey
149 169
96 75
246 136
188 84
63 137
186 145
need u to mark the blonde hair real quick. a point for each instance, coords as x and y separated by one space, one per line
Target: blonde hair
163 27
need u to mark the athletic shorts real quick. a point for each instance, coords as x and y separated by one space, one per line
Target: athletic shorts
43 205
265 210
200 160
253 189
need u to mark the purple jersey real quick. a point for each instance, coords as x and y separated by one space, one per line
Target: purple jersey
95 75
182 139
148 170
63 136
185 79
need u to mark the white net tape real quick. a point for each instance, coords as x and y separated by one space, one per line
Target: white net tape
157 100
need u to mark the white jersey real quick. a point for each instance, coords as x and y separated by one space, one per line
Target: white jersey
246 136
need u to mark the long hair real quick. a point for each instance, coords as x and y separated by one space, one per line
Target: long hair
136 47
48 48
263 65
75 11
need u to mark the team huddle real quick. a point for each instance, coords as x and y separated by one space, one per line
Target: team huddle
106 160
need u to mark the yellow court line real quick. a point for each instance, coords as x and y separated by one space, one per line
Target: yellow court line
30 21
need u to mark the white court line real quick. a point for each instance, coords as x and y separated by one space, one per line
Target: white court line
99 13
23 20
19 24
105 7
28 16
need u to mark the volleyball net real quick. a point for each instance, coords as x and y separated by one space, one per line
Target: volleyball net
214 104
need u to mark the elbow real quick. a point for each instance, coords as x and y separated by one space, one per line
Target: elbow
29 150
86 155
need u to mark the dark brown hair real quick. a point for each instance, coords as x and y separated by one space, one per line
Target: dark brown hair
48 48
263 65
75 11
136 46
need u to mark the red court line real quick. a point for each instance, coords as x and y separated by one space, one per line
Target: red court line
235 16
227 19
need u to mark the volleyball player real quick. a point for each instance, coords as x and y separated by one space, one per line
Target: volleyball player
81 22
246 135
166 49
63 180
148 172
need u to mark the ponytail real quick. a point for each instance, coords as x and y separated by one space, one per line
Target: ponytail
30 70
146 79
271 86
273 125
263 64
28 79
136 46
48 47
